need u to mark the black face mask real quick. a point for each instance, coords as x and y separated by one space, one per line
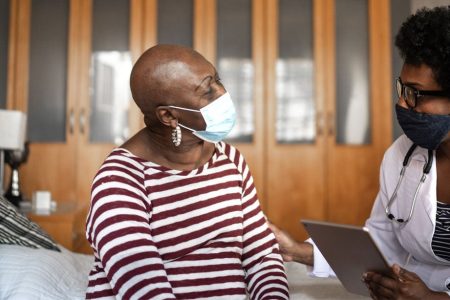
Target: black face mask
425 130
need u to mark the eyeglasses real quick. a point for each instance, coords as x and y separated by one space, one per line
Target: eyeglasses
410 94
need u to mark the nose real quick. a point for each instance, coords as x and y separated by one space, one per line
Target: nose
220 90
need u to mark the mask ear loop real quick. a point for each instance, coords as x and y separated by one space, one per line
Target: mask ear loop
187 109
183 108
185 127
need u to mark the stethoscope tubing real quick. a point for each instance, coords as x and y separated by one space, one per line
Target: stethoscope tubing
425 172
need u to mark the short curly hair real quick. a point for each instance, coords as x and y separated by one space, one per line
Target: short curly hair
424 38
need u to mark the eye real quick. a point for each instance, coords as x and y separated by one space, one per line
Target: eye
205 86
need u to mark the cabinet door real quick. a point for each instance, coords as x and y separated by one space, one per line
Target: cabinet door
44 69
175 22
116 32
233 42
295 153
358 105
4 36
107 115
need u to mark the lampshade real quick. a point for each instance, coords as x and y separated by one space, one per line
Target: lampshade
13 125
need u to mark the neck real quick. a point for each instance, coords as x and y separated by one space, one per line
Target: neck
444 150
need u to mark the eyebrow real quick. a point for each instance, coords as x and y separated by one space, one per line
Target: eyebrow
412 83
204 79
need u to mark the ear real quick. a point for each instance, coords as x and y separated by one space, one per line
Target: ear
166 117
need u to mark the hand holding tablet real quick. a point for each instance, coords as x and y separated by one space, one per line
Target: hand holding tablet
350 251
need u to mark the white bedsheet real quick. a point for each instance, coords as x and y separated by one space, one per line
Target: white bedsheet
28 274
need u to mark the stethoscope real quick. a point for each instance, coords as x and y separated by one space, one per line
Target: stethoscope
426 170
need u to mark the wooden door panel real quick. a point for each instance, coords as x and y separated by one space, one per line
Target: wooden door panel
51 165
353 170
52 168
317 180
295 181
353 184
91 153
207 38
295 187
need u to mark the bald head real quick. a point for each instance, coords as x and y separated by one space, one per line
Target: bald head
158 72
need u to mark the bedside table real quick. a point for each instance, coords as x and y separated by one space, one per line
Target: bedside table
61 224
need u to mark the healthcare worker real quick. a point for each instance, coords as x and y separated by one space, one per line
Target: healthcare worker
410 219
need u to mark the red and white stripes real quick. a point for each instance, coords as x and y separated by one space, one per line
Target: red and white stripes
159 233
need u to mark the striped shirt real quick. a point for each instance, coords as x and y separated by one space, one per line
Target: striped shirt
441 238
159 233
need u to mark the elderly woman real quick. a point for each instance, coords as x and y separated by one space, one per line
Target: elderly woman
410 219
174 212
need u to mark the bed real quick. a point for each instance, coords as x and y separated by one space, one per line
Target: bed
28 273
44 274
33 266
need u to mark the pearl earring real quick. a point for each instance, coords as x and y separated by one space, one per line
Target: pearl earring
176 136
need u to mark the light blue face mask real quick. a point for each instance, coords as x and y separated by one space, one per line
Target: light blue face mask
219 117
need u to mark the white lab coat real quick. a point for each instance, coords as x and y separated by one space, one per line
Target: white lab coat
408 245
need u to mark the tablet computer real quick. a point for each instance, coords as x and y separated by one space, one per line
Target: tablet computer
350 251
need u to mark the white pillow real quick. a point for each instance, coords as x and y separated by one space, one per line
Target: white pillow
27 273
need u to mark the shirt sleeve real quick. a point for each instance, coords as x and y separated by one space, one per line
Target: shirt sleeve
265 274
321 268
118 229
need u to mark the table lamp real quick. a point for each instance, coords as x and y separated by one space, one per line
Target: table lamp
12 136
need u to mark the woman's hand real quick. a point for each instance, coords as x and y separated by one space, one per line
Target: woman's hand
287 244
402 285
292 250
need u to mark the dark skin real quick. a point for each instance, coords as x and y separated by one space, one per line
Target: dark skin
403 284
421 77
172 75
291 250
